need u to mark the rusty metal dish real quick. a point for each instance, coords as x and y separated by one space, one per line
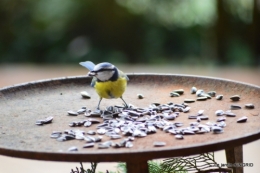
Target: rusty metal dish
23 104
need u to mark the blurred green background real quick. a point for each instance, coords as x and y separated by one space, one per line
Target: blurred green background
216 32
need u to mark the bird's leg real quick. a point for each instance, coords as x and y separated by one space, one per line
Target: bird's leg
126 105
99 103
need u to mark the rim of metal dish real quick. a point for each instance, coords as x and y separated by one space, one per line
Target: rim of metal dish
130 154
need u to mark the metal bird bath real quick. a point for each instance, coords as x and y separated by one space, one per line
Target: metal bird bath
21 105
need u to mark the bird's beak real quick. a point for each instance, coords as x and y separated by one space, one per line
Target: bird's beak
92 73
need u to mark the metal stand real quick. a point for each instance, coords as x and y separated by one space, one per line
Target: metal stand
137 166
235 155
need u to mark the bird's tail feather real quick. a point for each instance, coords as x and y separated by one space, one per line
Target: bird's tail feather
88 64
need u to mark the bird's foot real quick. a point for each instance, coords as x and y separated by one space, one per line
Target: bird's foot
97 109
126 106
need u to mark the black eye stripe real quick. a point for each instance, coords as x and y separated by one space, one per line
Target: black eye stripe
103 70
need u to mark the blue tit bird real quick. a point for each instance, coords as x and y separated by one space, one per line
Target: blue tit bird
108 81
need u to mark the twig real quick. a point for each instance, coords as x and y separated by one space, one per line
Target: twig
216 170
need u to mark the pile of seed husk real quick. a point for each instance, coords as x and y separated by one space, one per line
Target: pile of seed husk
131 122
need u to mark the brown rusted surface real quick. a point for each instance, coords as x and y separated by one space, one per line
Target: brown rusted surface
23 104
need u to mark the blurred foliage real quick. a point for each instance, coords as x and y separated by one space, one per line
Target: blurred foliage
224 32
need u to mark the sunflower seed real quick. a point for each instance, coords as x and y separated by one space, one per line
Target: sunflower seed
73 124
189 100
104 145
212 93
93 121
56 134
201 131
179 136
192 117
65 137
73 149
222 124
202 98
204 117
193 90
89 145
134 113
116 145
72 113
81 111
87 114
138 133
219 97
199 93
235 107
98 138
130 138
44 121
174 94
167 128
69 132
87 124
140 96
91 132
156 104
48 120
249 106
173 131
117 130
159 144
129 144
185 110
151 129
207 95
89 139
235 98
221 119
169 117
219 112
101 131
96 113
187 132
80 137
123 142
85 94
178 124
193 128
200 112
39 122
229 114
102 125
242 119
179 91
217 129
194 124
115 136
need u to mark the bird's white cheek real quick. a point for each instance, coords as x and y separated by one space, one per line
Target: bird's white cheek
104 75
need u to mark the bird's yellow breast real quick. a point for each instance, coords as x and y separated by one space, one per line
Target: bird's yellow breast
111 89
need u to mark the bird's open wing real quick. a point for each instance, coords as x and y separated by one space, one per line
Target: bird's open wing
88 64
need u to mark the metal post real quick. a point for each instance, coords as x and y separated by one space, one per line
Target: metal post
137 166
235 155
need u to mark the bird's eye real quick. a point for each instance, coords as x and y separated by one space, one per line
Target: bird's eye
101 70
